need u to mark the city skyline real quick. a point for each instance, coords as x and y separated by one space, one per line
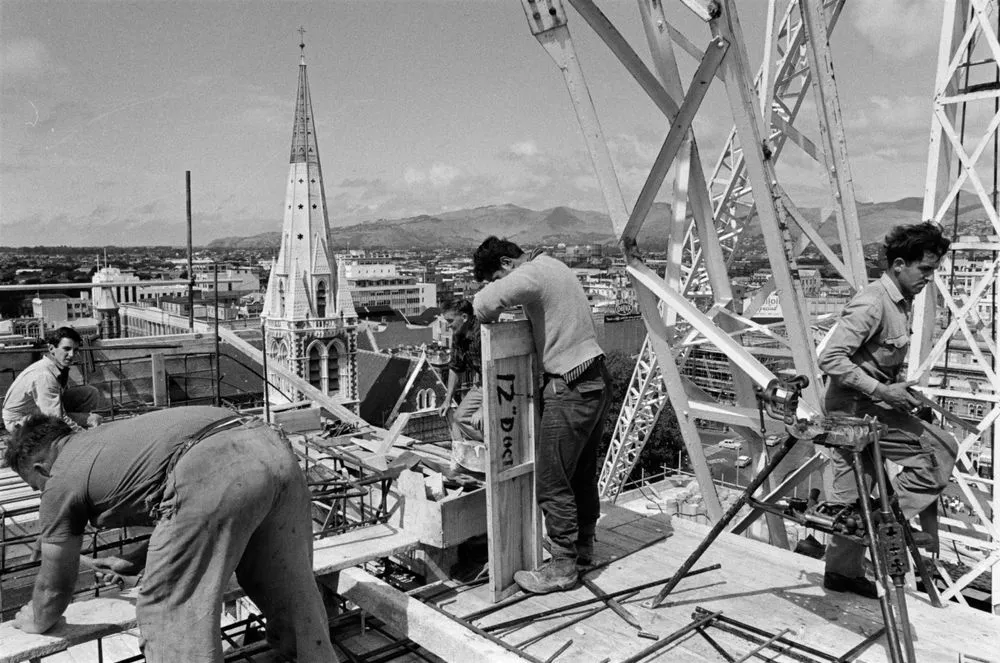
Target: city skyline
421 107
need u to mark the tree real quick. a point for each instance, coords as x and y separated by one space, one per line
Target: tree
664 442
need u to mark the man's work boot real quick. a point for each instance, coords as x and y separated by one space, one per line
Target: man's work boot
556 575
585 552
861 586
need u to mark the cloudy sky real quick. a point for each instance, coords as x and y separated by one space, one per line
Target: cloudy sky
420 107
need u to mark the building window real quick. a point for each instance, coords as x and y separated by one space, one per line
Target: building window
315 367
281 298
334 368
426 399
321 299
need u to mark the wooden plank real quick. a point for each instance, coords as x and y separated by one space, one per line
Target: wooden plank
390 438
410 618
507 339
338 552
159 377
510 411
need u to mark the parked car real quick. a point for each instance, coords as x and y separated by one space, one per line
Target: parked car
730 443
742 461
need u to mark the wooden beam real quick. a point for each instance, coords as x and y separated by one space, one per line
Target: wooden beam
511 417
432 629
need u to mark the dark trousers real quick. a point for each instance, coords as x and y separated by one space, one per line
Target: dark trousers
566 456
926 454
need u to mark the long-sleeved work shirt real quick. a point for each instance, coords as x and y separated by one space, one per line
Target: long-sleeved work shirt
555 303
868 345
38 389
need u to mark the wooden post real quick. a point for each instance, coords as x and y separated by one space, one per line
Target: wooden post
510 410
159 372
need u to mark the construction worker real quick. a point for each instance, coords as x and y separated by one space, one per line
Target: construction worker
863 358
575 398
224 493
465 365
43 387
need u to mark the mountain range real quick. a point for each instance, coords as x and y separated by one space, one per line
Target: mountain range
466 228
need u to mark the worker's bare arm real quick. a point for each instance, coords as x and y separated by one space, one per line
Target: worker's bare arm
54 586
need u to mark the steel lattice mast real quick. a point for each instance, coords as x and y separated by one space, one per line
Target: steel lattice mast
790 81
723 58
956 339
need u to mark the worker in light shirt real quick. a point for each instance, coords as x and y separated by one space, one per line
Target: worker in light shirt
575 398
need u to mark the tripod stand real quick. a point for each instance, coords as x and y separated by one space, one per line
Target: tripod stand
887 544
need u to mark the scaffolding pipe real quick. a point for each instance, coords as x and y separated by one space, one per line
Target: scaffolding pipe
190 244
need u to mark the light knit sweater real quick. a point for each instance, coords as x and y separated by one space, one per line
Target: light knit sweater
555 304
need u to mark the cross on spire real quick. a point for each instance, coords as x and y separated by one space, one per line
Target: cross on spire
302 38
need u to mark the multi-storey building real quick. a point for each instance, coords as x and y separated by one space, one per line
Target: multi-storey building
377 284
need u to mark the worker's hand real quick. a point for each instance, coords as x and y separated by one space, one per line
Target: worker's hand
477 419
898 395
94 419
113 570
443 410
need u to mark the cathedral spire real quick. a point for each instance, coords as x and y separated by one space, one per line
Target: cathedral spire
308 329
304 258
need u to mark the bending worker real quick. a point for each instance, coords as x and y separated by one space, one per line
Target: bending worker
575 398
225 495
863 359
42 387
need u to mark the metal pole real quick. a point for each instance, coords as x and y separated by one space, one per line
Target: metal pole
596 599
267 403
218 376
723 522
673 637
888 617
190 243
896 571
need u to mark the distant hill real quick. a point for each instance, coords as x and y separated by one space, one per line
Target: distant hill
468 227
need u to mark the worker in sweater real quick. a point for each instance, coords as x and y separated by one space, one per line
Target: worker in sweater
575 397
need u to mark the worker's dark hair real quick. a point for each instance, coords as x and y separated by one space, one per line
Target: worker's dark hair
911 242
56 336
486 259
33 437
459 305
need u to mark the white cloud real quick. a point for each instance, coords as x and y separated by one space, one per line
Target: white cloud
439 175
898 28
523 149
27 58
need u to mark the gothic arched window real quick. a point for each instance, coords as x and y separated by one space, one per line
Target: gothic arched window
321 300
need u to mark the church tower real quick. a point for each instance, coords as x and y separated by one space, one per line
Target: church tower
310 324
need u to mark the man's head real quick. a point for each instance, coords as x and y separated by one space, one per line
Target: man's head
495 258
912 255
30 451
458 314
63 345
